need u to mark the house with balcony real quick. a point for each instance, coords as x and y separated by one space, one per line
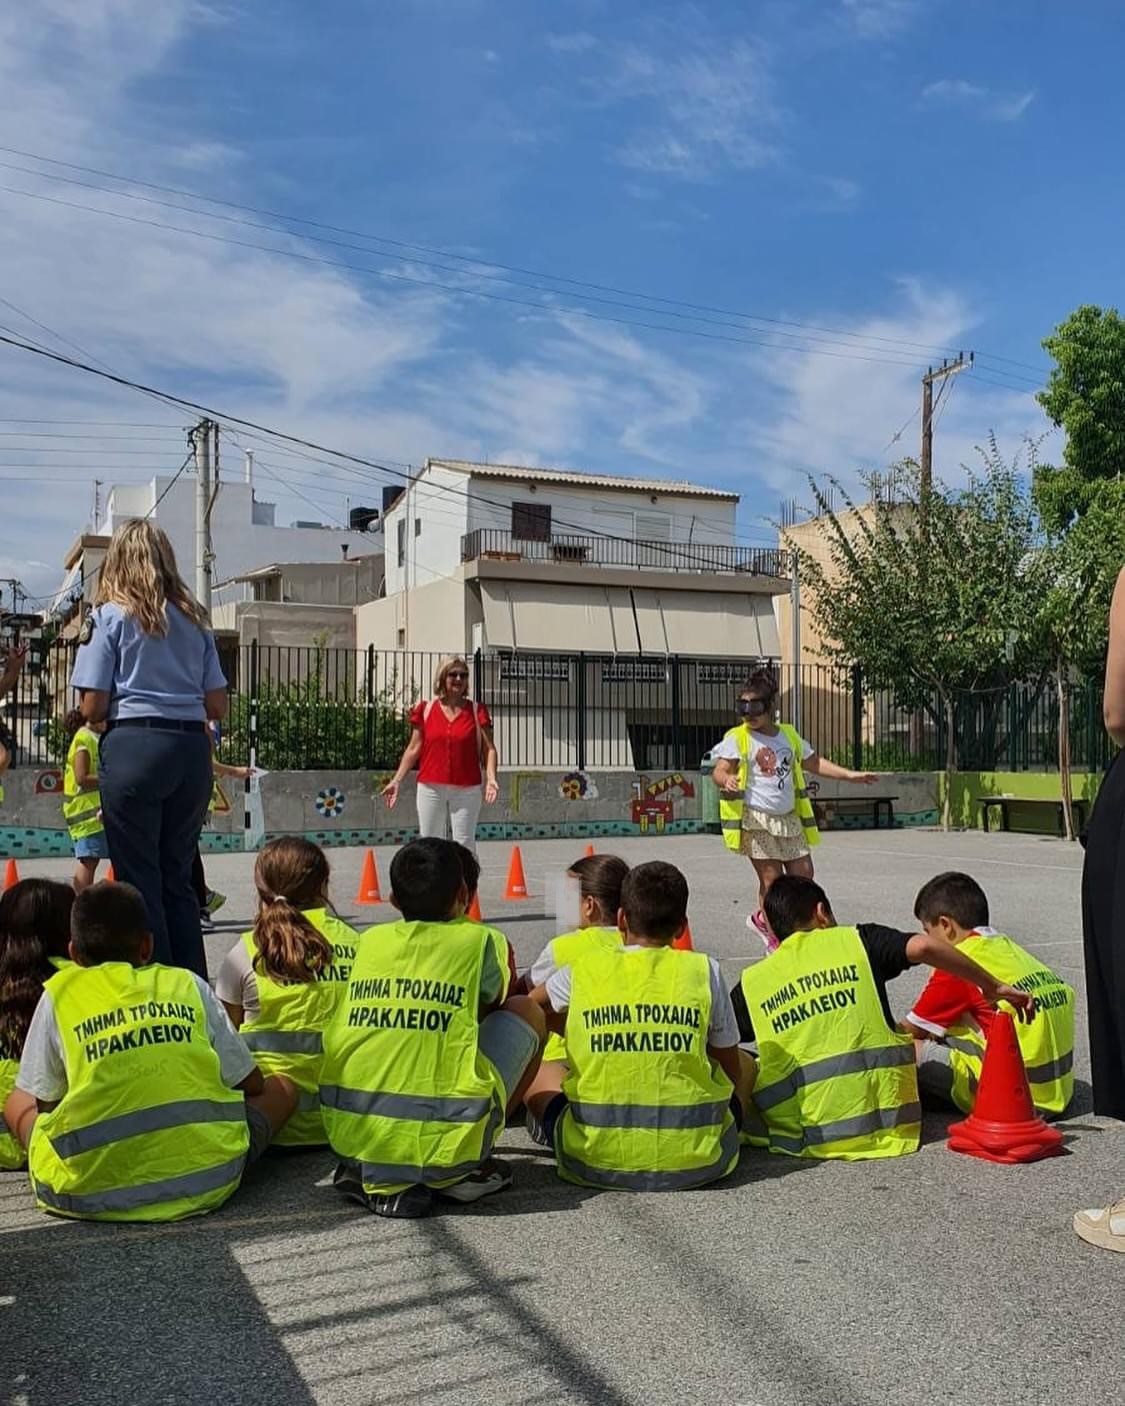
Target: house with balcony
579 595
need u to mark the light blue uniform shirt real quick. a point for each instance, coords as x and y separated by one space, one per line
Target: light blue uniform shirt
149 676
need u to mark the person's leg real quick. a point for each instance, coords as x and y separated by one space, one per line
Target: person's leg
199 879
512 1038
935 1075
464 811
747 1078
85 871
545 1087
187 757
268 1112
767 871
133 786
802 867
431 812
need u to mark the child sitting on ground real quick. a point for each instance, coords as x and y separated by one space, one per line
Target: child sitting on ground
951 1019
81 798
135 1098
34 937
654 1088
282 981
424 1058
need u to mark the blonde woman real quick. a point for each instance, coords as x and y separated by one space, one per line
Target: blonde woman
147 665
450 738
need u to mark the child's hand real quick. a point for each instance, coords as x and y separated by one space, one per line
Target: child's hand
732 786
1023 1001
864 778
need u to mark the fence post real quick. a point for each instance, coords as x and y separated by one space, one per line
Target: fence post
369 712
580 720
679 761
857 718
252 742
478 678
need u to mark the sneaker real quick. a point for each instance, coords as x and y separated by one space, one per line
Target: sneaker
756 922
535 1129
490 1177
409 1204
206 922
215 900
1104 1228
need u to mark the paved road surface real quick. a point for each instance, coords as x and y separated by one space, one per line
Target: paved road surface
871 1284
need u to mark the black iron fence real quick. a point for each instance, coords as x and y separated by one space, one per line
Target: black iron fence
308 708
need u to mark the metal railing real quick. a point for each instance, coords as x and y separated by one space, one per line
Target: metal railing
575 550
325 709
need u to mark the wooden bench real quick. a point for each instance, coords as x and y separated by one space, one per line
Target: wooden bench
877 805
1004 803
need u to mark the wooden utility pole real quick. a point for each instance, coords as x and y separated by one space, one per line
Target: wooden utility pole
946 369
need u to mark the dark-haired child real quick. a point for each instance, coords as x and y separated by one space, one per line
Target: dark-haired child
425 1058
282 981
34 939
654 1088
135 1097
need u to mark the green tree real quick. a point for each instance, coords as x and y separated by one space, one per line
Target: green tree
928 594
1085 397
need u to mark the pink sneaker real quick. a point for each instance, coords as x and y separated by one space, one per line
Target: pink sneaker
757 923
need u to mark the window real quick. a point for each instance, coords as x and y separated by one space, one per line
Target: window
417 527
401 638
531 522
400 539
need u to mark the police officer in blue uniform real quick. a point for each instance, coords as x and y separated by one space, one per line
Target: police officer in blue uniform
147 664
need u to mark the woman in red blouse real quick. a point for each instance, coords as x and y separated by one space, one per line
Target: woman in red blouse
451 734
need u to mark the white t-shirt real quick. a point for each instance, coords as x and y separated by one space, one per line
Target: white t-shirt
769 776
721 1032
42 1070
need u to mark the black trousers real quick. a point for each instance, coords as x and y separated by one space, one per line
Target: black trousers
155 786
1103 933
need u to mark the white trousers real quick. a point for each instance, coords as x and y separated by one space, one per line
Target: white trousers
442 809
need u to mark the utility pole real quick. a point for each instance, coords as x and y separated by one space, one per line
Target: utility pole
946 369
201 443
795 612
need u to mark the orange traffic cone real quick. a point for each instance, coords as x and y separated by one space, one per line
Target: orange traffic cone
369 881
683 943
110 876
517 884
589 851
1004 1126
11 874
474 913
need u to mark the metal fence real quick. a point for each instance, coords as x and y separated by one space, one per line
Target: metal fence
308 708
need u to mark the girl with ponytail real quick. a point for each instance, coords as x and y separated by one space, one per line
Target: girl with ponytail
282 981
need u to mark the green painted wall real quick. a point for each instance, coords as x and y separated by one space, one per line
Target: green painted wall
970 786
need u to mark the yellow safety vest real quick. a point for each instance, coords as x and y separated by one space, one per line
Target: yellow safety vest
1046 1042
80 808
565 951
286 1036
730 807
833 1079
146 1130
12 1155
405 1090
647 1108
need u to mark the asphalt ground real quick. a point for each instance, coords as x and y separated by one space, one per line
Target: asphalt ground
886 1282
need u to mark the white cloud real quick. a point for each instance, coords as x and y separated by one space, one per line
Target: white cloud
878 19
986 102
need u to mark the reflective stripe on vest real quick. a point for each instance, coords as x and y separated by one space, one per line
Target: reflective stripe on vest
1046 1041
80 807
405 1090
834 1080
731 807
647 1109
565 951
116 1147
286 1036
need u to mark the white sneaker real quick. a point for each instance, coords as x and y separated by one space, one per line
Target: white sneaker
1104 1228
490 1177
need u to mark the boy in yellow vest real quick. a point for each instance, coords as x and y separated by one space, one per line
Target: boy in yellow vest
425 1057
135 1098
951 1019
82 799
654 1088
836 1075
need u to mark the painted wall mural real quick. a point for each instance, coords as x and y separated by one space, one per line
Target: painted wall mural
578 786
330 802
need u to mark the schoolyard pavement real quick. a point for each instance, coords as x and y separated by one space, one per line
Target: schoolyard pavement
882 1283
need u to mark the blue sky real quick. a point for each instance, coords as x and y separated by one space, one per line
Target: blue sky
905 176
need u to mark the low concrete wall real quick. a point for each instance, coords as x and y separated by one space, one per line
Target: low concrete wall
970 787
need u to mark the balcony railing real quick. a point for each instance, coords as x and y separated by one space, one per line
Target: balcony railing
491 544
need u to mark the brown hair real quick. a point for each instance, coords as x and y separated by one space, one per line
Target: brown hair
291 875
34 927
141 576
73 721
601 877
761 681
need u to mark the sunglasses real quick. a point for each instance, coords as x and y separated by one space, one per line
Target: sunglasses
454 675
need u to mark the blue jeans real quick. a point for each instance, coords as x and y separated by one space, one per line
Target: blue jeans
155 786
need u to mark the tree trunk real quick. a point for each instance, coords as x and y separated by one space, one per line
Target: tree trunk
1064 748
950 764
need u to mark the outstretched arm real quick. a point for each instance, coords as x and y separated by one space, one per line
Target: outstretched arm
922 949
820 766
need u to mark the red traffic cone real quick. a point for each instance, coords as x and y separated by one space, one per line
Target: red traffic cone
517 884
11 874
369 881
110 876
683 943
474 913
589 851
1004 1126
